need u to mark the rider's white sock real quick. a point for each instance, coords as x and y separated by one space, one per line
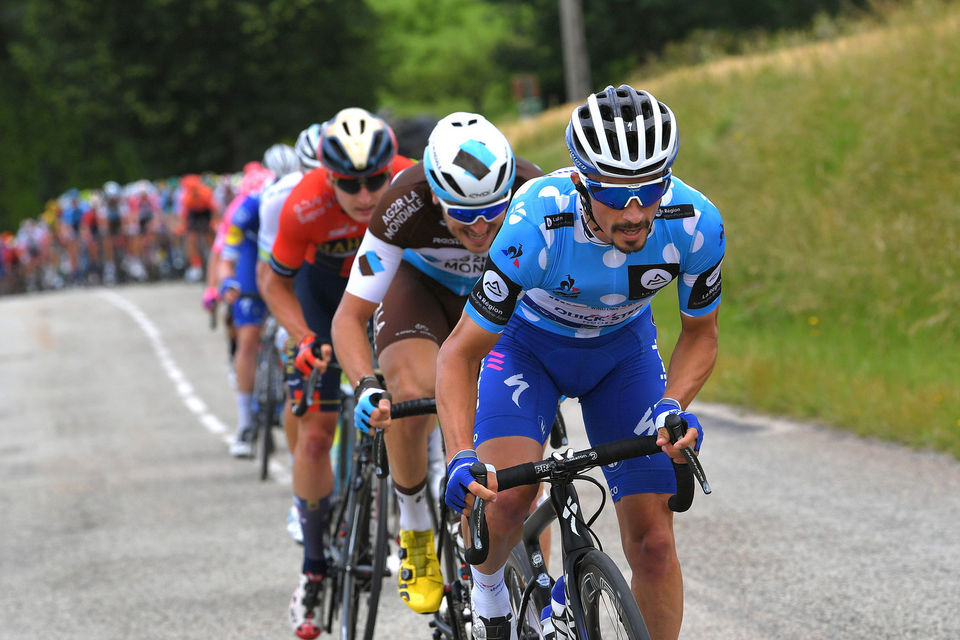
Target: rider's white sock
489 595
244 411
414 510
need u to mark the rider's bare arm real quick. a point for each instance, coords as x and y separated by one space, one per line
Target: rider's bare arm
693 357
350 341
458 367
280 297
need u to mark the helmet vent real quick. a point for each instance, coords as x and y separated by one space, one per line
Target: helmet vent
453 183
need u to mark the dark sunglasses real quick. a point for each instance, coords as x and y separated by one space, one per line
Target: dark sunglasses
353 185
470 215
618 196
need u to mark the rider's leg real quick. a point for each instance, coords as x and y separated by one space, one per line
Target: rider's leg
646 530
505 517
313 483
409 367
245 366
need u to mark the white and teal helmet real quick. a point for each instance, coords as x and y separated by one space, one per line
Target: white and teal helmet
468 161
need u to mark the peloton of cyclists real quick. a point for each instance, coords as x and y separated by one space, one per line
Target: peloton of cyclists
238 288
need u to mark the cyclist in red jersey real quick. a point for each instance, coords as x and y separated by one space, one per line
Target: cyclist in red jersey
321 225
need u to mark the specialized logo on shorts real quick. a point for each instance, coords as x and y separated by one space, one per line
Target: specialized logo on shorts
566 288
513 253
494 286
521 385
369 263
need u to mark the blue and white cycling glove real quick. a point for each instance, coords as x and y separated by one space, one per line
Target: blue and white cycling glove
230 283
667 406
459 478
367 394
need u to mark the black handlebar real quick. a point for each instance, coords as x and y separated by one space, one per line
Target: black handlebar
574 462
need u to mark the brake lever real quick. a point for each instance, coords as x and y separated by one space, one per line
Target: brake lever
678 428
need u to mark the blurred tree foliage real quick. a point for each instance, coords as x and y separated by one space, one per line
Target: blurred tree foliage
109 89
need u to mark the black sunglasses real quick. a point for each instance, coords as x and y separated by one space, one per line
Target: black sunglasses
353 185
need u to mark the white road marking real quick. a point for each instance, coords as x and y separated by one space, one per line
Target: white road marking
194 403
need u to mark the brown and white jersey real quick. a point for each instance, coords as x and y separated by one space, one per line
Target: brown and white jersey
408 226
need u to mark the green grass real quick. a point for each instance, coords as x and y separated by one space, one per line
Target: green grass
836 166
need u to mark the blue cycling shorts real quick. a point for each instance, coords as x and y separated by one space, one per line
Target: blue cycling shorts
249 310
617 378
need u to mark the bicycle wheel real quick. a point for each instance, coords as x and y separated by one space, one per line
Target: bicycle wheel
609 609
517 574
267 409
367 554
453 620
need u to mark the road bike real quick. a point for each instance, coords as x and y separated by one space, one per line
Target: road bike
360 524
269 393
454 619
599 602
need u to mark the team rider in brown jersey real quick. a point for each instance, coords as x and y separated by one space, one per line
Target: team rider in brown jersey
420 257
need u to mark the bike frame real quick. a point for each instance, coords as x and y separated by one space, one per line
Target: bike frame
576 540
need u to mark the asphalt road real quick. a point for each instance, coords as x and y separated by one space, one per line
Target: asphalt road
123 516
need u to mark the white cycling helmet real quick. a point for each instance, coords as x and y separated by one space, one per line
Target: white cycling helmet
112 189
622 133
307 144
281 159
356 143
468 160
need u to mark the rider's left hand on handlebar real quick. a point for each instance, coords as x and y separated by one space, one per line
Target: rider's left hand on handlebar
373 409
306 360
692 437
462 485
210 297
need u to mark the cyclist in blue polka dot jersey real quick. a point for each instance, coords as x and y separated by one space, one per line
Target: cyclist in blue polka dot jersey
563 307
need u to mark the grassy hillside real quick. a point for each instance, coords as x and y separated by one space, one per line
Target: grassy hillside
836 167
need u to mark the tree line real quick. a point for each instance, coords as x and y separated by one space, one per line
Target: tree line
96 90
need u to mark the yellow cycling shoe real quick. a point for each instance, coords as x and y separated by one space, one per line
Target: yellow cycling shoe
420 583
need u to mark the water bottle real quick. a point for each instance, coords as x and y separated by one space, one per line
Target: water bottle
558 611
546 623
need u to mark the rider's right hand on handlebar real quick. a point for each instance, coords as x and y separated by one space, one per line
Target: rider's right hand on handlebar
307 360
461 482
692 436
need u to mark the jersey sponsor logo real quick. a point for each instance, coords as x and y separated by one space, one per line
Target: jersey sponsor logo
470 265
706 289
555 221
520 384
514 254
348 227
369 263
494 296
494 286
399 212
446 241
340 248
234 235
308 210
676 211
566 288
646 279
